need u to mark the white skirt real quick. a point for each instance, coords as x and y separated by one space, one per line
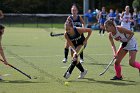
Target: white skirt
131 45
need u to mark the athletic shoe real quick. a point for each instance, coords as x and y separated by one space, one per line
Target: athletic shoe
81 60
82 74
66 75
64 60
116 78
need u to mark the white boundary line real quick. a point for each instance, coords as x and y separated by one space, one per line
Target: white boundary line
54 56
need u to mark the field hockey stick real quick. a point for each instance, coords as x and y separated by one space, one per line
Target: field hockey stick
80 51
18 70
107 67
110 63
53 35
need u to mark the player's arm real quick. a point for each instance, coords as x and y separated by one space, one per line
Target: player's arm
112 44
82 21
126 31
2 53
69 41
85 30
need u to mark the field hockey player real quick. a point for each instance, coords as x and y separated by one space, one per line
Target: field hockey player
128 44
74 37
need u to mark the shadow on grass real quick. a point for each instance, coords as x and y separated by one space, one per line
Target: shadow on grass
102 64
20 81
111 82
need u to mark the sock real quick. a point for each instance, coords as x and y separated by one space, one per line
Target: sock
100 31
81 55
118 70
66 51
72 66
80 67
103 31
136 64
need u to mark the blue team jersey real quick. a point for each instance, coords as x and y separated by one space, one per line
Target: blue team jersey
112 16
103 17
89 16
76 22
76 39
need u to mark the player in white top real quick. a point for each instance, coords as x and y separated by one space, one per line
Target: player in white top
128 44
126 19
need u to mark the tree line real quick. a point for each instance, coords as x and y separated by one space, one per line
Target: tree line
58 6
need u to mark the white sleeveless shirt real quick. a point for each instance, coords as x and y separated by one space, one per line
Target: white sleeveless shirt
131 45
124 23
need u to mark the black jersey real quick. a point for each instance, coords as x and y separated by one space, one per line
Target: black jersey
103 15
76 22
76 39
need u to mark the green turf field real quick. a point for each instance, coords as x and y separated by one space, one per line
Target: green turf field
33 51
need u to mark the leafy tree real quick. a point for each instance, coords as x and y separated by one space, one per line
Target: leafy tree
136 4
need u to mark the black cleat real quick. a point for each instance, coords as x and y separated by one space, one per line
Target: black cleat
116 78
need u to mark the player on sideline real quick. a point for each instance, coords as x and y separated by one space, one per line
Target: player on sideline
75 39
101 20
126 19
128 44
1 49
78 22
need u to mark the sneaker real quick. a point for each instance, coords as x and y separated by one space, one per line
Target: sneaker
82 74
64 60
116 78
81 60
66 75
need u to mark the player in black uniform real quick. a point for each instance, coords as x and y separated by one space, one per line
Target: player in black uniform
78 22
75 39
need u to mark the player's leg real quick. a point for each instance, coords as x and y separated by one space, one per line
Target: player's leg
66 51
81 57
117 66
71 67
132 62
100 30
1 78
80 67
103 28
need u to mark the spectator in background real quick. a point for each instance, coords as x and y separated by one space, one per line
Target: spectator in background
139 21
135 18
111 15
89 16
117 18
101 19
126 18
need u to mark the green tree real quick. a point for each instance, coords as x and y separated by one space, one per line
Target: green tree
136 4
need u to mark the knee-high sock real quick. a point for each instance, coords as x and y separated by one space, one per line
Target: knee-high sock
66 51
118 70
72 66
103 31
100 30
81 55
80 67
136 64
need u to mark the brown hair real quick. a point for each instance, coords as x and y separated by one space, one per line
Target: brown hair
109 23
68 22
